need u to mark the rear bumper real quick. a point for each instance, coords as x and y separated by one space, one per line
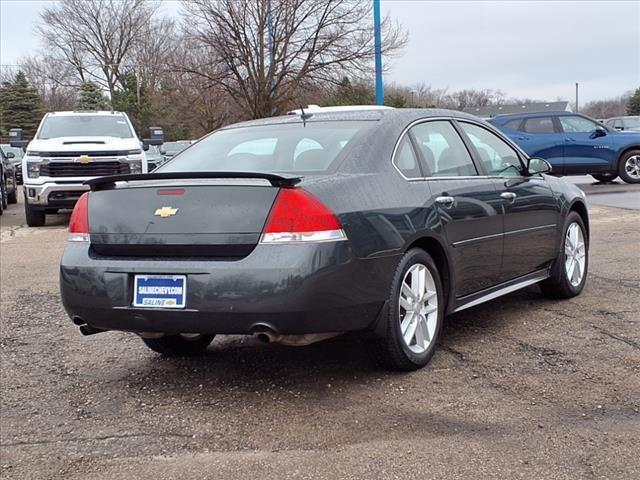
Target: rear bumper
290 289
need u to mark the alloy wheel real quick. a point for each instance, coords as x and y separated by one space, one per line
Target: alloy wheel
418 308
632 167
575 253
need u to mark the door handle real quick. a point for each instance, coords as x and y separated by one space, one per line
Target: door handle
569 139
509 196
523 138
445 201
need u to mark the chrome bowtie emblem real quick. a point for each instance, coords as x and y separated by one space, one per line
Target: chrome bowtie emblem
165 212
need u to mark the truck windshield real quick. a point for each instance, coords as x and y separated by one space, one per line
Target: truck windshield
270 148
85 126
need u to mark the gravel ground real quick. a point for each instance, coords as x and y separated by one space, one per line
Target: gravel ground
522 387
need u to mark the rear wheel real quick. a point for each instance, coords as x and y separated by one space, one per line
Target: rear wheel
604 177
181 345
569 273
629 167
414 319
35 217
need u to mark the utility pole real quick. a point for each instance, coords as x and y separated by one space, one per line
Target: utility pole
576 97
378 51
270 45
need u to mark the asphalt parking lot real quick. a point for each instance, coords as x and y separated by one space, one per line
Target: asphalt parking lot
521 387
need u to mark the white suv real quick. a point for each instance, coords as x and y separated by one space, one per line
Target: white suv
71 147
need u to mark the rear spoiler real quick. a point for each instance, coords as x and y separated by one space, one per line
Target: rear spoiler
105 183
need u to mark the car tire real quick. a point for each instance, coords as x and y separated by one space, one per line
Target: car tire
181 345
35 217
391 350
604 177
12 198
629 166
562 283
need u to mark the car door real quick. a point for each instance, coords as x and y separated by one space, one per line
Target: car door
587 146
542 137
467 203
531 211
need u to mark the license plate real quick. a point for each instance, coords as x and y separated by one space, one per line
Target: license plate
160 291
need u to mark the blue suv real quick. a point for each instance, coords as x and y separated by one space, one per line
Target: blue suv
575 144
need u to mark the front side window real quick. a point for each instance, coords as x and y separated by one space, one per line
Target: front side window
85 126
443 150
498 157
631 122
539 125
281 148
577 125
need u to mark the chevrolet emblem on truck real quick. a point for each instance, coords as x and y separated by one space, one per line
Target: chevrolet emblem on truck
84 159
165 212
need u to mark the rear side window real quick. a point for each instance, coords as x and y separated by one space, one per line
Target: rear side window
539 125
513 124
406 159
284 148
443 150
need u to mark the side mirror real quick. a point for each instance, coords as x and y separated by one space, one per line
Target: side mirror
538 165
599 132
156 137
10 155
619 128
15 138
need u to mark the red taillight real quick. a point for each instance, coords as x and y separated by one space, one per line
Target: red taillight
297 216
79 222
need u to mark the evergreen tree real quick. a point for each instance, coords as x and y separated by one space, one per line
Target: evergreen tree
633 107
91 98
351 94
20 106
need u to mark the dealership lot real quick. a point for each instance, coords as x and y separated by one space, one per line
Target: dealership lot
522 387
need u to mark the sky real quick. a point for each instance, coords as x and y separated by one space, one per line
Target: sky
526 49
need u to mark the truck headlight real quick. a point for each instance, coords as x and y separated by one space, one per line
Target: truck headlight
33 169
135 152
135 166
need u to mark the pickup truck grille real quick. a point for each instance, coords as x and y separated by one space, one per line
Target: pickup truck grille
94 169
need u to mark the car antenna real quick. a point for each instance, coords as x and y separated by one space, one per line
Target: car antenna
304 116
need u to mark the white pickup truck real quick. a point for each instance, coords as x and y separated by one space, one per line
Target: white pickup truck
71 147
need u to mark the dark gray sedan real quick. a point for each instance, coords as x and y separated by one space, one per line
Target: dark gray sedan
302 227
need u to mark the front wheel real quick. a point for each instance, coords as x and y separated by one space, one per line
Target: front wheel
181 345
569 273
604 177
35 217
413 321
629 167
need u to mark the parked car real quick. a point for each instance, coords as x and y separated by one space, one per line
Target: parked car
16 159
375 221
72 147
630 123
171 149
154 157
10 185
575 144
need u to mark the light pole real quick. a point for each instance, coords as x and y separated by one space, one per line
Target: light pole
576 97
377 34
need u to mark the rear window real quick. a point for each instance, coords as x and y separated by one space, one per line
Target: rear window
286 148
85 126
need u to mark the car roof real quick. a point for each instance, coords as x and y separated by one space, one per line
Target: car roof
375 114
84 112
534 114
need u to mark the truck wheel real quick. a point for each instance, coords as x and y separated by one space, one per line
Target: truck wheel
181 345
604 177
35 217
629 167
414 318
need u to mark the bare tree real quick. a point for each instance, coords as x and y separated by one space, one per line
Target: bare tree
613 107
96 37
264 53
56 81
